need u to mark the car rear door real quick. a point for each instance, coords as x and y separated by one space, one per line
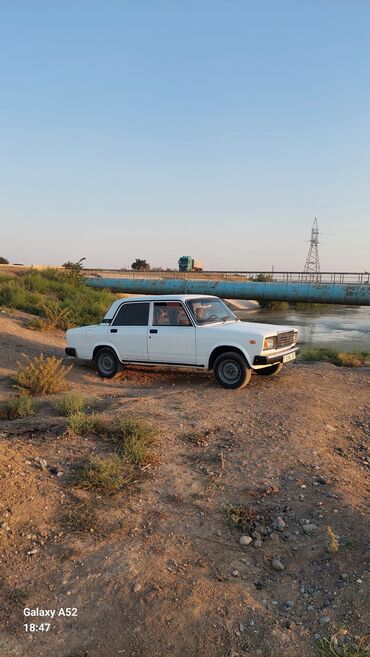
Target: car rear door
129 330
171 337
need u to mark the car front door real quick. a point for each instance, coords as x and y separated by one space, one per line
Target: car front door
171 337
129 331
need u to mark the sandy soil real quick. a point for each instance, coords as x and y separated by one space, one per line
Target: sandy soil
157 570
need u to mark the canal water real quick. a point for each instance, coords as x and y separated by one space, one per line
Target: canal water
344 328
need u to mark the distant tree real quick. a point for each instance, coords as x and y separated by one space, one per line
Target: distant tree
74 270
4 261
140 265
263 278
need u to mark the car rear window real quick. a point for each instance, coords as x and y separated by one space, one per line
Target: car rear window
132 314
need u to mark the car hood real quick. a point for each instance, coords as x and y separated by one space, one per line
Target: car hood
248 328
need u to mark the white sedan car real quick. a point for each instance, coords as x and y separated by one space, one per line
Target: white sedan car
184 331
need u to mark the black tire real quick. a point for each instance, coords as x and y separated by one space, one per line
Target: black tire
106 363
270 370
231 370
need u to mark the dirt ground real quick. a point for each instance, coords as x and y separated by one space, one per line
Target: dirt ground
157 570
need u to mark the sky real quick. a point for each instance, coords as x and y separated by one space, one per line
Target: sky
212 128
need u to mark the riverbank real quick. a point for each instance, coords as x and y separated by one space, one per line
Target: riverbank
157 568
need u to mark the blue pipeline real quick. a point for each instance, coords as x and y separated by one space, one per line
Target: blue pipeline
352 295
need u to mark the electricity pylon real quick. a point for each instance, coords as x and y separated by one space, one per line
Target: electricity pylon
312 266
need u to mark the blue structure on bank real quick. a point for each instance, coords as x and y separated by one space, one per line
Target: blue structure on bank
347 294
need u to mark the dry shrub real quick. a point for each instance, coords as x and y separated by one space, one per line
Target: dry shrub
337 646
240 516
42 375
333 541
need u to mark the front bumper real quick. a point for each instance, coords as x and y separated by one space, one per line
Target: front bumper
274 358
71 352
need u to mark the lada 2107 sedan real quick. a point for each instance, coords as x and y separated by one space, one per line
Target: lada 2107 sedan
184 331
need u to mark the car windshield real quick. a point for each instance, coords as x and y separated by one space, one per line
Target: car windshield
209 311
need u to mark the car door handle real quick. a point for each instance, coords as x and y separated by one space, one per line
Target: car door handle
153 331
113 330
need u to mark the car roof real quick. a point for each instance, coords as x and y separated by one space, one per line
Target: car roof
168 297
157 297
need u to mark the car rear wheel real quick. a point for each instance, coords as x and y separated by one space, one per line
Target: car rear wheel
270 370
231 371
106 363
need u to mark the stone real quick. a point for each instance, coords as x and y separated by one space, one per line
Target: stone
258 544
277 565
235 573
310 528
279 524
136 587
245 540
324 620
42 463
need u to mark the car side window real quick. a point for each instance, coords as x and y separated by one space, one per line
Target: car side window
132 314
170 313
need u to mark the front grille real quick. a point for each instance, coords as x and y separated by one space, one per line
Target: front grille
284 339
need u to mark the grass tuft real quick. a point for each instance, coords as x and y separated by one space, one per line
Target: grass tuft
84 425
17 408
71 404
41 375
103 474
134 437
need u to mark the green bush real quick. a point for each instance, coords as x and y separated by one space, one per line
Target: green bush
42 375
13 295
71 404
18 407
53 295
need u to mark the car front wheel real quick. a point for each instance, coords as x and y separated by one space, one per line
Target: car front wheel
231 371
270 370
106 363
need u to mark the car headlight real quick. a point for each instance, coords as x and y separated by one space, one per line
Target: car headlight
269 343
295 336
